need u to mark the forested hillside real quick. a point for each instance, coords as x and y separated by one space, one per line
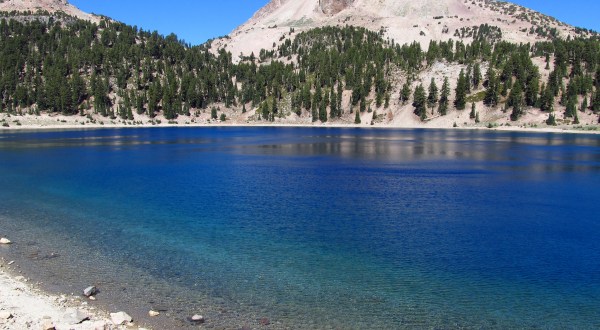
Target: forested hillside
111 70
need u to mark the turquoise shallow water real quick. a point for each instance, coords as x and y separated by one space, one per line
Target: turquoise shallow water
313 227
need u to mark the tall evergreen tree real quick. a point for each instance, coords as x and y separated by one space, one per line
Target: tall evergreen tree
357 118
405 93
460 100
515 100
491 92
443 104
476 76
420 102
584 104
432 97
570 110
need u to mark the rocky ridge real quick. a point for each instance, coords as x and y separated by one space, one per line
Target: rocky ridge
43 6
400 20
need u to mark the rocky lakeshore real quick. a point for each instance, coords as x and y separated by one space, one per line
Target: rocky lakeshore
24 306
31 299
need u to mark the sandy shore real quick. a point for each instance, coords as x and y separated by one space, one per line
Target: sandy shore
534 121
24 306
49 127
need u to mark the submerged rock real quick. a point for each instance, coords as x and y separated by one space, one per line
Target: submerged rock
4 240
90 291
120 318
153 313
196 319
264 321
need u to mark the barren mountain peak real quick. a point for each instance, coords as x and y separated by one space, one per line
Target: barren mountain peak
404 21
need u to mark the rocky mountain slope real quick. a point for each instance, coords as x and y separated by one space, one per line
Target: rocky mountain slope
403 21
45 6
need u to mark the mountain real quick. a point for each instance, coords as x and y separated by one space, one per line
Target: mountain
389 63
403 21
43 7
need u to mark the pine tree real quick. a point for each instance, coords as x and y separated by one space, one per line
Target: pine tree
472 114
340 95
323 111
476 76
515 99
461 92
546 100
570 110
333 112
596 102
432 98
551 121
357 118
275 107
584 104
443 104
532 89
405 93
363 104
420 102
468 79
314 113
491 93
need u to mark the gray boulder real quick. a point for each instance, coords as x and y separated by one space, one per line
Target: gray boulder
90 291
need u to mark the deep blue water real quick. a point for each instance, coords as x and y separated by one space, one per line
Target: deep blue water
313 227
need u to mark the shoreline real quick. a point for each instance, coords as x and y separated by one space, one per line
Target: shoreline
25 305
558 130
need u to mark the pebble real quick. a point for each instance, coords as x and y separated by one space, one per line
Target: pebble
197 318
4 240
153 313
264 321
11 262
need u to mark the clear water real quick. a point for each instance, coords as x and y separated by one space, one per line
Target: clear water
312 227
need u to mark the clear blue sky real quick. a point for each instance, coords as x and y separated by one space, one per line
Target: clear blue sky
196 21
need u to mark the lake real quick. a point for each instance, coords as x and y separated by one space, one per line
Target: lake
327 228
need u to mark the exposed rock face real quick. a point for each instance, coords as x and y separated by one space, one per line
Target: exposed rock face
332 7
